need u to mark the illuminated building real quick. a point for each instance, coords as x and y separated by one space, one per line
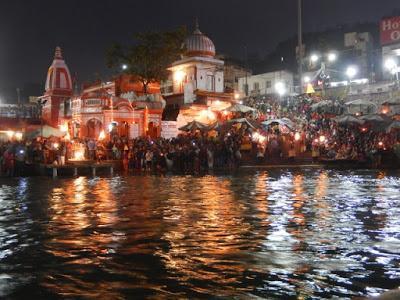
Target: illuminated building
195 89
118 107
390 42
58 89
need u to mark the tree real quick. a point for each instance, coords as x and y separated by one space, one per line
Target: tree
147 60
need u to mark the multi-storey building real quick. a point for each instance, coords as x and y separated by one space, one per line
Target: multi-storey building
279 82
390 41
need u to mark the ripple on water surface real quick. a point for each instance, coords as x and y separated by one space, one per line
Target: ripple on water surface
276 234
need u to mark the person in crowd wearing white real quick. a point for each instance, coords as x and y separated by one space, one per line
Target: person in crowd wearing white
62 153
149 158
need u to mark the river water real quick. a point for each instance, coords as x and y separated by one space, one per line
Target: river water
279 234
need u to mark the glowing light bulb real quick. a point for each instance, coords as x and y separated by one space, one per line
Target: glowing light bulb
179 75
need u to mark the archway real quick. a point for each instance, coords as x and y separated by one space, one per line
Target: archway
94 126
123 129
153 130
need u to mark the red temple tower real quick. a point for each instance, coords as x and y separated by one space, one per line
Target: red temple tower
58 89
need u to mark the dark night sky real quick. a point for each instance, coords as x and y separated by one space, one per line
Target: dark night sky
30 30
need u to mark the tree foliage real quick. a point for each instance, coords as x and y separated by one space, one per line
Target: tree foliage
149 56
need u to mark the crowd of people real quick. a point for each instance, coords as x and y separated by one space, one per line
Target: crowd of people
191 153
324 138
309 134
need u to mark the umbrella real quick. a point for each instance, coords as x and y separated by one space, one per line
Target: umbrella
47 130
375 118
361 105
348 119
392 102
240 108
193 126
214 126
325 106
281 122
243 121
393 125
321 104
288 121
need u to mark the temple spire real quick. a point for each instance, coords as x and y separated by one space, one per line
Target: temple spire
58 54
196 26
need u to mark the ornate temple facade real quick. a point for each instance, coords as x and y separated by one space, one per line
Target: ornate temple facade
195 91
117 108
196 83
58 89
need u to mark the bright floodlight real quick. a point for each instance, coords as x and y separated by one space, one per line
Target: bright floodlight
124 67
306 79
314 57
179 75
332 56
390 64
351 71
280 88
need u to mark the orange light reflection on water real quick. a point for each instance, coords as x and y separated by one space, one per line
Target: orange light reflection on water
75 213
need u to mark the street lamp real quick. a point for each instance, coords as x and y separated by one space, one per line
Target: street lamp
391 65
314 58
280 88
124 67
351 71
321 59
332 57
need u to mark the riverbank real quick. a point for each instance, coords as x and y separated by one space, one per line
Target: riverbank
109 168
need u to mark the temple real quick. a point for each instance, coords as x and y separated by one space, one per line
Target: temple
116 108
58 89
195 89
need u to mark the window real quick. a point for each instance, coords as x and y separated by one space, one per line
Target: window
91 102
256 86
210 83
268 84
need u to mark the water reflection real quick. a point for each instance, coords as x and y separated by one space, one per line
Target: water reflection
81 236
276 234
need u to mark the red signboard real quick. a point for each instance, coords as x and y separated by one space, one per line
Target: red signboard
390 31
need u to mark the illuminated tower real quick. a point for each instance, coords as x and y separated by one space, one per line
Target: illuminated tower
58 89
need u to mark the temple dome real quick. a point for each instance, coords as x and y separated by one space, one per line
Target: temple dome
58 75
198 44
